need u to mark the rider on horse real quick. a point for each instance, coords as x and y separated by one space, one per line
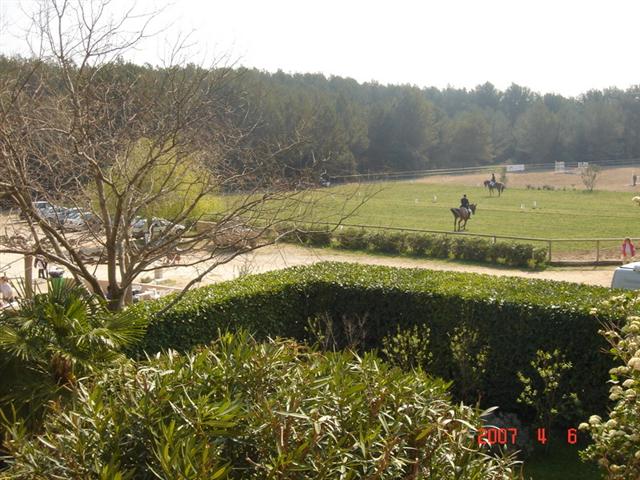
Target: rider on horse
493 180
464 203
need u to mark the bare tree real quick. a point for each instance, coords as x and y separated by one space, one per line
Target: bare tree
124 145
589 175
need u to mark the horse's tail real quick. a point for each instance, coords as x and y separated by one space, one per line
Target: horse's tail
456 212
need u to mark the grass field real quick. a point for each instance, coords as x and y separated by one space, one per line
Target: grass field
559 214
555 213
559 463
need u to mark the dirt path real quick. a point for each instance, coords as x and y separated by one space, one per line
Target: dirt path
283 256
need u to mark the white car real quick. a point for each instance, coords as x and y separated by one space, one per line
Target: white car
158 225
76 219
627 277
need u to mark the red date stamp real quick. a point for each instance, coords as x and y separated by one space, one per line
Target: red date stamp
508 436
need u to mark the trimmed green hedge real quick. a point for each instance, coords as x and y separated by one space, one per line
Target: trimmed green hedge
425 245
514 316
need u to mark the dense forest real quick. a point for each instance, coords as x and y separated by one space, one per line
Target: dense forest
343 127
371 128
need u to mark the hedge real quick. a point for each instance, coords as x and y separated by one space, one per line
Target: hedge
514 316
423 245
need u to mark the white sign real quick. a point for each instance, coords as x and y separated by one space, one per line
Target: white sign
583 164
515 168
559 166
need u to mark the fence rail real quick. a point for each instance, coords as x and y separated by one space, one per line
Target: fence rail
599 254
596 251
529 167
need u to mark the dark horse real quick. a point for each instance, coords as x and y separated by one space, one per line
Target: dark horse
460 217
499 186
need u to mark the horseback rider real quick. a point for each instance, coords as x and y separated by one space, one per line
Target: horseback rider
464 203
493 179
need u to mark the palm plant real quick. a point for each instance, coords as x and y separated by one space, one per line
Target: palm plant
54 338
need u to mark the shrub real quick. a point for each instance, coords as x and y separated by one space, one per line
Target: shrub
314 238
386 242
514 317
239 409
55 338
544 390
426 245
351 239
440 247
469 355
476 249
616 441
418 245
408 349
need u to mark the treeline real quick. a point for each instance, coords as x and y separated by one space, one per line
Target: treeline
341 127
359 128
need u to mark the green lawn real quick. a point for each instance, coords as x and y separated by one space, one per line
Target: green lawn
561 462
559 214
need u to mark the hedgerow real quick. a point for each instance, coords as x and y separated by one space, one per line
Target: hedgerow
513 318
239 409
424 245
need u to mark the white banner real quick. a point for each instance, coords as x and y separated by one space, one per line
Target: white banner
515 168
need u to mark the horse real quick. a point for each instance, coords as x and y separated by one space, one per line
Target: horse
461 215
499 186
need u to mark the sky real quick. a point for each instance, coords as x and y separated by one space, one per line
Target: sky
560 46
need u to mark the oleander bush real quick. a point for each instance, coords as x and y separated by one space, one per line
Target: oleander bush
512 317
424 245
241 409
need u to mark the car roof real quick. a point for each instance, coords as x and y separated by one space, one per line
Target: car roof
631 266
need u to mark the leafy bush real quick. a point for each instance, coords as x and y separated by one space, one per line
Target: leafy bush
239 409
386 242
514 317
616 445
426 245
408 349
418 245
470 356
543 389
351 239
314 238
471 249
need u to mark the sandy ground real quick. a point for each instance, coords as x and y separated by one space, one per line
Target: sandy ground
282 256
616 179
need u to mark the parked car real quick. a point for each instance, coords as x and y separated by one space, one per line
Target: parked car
140 226
627 277
56 215
77 219
41 207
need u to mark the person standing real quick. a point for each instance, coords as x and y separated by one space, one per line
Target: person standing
41 264
5 290
628 250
